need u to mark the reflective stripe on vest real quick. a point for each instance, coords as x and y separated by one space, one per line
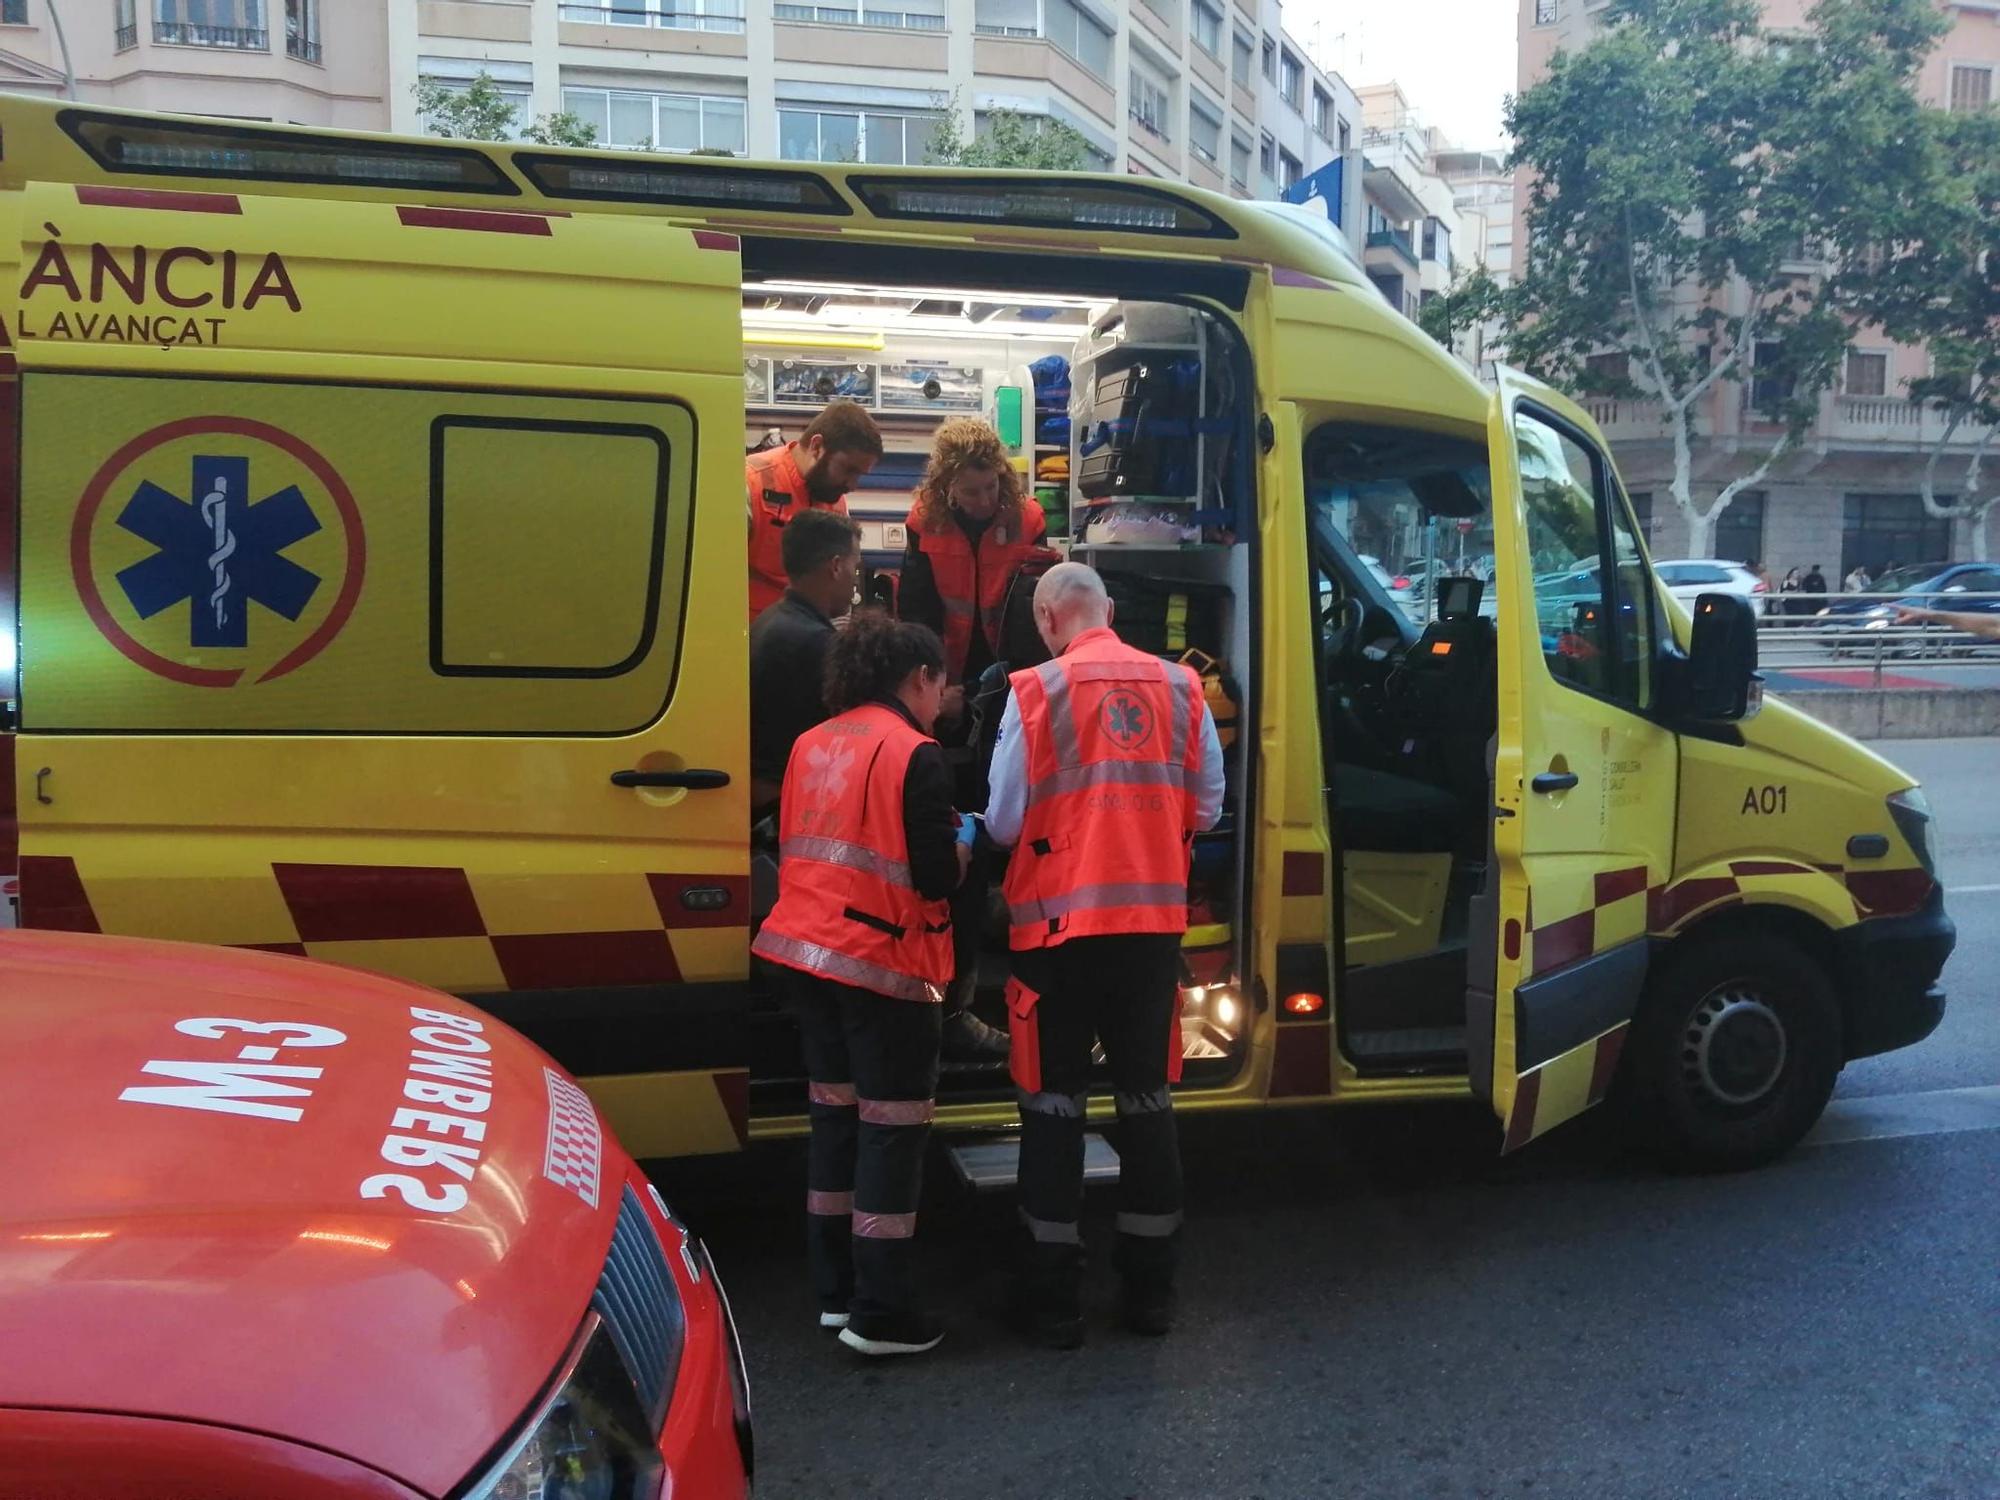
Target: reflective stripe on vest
1113 761
847 907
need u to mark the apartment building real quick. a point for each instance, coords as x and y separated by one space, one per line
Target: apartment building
1413 237
314 62
1852 493
1167 88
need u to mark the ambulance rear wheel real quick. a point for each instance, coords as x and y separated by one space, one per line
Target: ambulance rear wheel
1734 1052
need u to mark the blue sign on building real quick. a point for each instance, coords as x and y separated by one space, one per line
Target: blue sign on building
1326 185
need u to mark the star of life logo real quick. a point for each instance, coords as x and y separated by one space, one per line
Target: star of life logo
218 552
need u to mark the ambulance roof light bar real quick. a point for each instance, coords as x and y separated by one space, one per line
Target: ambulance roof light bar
201 148
1059 204
682 183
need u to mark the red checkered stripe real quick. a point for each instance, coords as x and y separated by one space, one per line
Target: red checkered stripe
376 903
575 1153
1669 907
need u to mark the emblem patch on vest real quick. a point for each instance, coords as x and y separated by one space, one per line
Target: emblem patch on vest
1125 720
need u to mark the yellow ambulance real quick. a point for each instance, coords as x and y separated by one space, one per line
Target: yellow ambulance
373 585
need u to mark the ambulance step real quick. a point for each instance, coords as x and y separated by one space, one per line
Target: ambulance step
1414 1042
989 1165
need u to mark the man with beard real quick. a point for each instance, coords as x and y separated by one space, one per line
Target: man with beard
840 445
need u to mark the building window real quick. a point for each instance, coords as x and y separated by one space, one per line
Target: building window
1150 104
14 12
1270 61
1081 36
660 122
1322 116
1239 164
1886 531
678 15
1867 373
854 135
232 24
1290 170
1291 79
1971 88
1771 383
1346 137
1241 51
1547 12
1207 27
835 15
512 81
1437 242
1205 129
1739 531
302 29
1267 156
1610 370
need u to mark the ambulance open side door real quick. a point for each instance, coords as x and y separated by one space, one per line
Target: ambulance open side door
1585 775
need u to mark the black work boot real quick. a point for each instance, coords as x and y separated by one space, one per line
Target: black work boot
1048 1297
1146 1276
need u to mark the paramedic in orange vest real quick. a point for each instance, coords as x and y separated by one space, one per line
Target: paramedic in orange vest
971 529
869 851
1107 765
838 447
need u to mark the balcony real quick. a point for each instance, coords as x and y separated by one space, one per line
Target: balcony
228 38
829 15
303 48
1626 417
1396 242
672 20
128 37
1892 421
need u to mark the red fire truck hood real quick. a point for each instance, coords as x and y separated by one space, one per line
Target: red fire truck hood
287 1197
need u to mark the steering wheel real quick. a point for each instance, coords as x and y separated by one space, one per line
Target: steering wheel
1340 621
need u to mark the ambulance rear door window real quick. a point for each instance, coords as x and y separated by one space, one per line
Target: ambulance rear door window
547 543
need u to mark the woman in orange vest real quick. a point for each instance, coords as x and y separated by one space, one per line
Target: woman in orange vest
869 852
971 529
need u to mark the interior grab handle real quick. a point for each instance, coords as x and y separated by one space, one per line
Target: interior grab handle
1554 781
689 780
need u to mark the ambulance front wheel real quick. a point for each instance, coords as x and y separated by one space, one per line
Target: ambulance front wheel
1734 1052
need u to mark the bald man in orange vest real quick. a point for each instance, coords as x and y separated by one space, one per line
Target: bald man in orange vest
1107 765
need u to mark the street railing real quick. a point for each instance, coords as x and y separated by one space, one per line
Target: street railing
1801 632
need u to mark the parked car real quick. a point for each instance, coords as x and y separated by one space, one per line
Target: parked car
1927 585
275 1227
1688 578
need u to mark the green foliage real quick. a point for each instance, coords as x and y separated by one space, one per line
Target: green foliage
480 112
1026 142
1475 298
1694 181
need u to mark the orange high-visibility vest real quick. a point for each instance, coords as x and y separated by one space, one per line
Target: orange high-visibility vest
777 493
847 908
1114 752
973 585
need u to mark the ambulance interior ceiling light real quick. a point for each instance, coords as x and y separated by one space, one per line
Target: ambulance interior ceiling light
778 338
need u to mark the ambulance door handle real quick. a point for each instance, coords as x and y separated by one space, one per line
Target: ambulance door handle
1554 781
689 780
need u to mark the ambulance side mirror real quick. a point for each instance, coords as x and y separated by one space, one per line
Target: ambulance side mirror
1722 682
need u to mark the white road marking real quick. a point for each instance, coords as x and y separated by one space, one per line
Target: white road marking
1972 890
1886 1117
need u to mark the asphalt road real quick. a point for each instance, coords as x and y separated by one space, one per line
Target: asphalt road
1376 1305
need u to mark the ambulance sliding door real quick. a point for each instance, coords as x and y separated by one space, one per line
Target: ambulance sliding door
393 630
1585 780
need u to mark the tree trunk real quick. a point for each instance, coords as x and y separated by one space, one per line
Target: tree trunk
1701 532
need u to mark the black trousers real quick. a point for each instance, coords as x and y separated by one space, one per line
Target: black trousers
1121 991
872 1063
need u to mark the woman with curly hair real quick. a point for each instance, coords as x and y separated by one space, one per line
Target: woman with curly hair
972 528
869 853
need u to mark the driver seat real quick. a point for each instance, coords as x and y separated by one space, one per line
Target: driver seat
1384 813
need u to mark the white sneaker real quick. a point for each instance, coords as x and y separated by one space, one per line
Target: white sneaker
832 1320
